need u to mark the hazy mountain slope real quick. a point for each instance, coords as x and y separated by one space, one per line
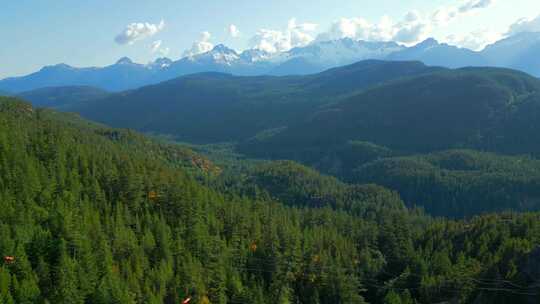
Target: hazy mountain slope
295 66
120 76
60 97
518 52
434 53
199 108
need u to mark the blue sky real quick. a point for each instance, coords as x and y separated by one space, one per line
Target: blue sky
97 33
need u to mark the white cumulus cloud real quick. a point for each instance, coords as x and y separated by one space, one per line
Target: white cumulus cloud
346 28
200 46
475 4
233 31
139 31
156 45
296 35
156 48
445 15
476 40
525 25
412 28
300 34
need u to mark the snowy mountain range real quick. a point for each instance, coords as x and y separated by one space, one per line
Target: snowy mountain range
517 52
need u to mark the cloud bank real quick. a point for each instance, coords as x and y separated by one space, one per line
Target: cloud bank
138 31
296 35
412 28
445 15
156 48
408 30
476 40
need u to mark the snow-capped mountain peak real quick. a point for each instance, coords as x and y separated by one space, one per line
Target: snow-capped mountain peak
223 55
255 55
221 48
344 51
518 51
220 54
160 63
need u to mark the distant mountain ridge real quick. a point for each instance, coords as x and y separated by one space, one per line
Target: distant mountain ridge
122 75
216 107
405 106
61 97
517 52
432 52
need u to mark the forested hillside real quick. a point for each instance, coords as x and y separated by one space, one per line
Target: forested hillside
459 183
214 107
382 135
98 215
342 119
405 106
296 185
482 108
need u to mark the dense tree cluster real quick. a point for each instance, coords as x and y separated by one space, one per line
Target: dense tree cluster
95 215
459 183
